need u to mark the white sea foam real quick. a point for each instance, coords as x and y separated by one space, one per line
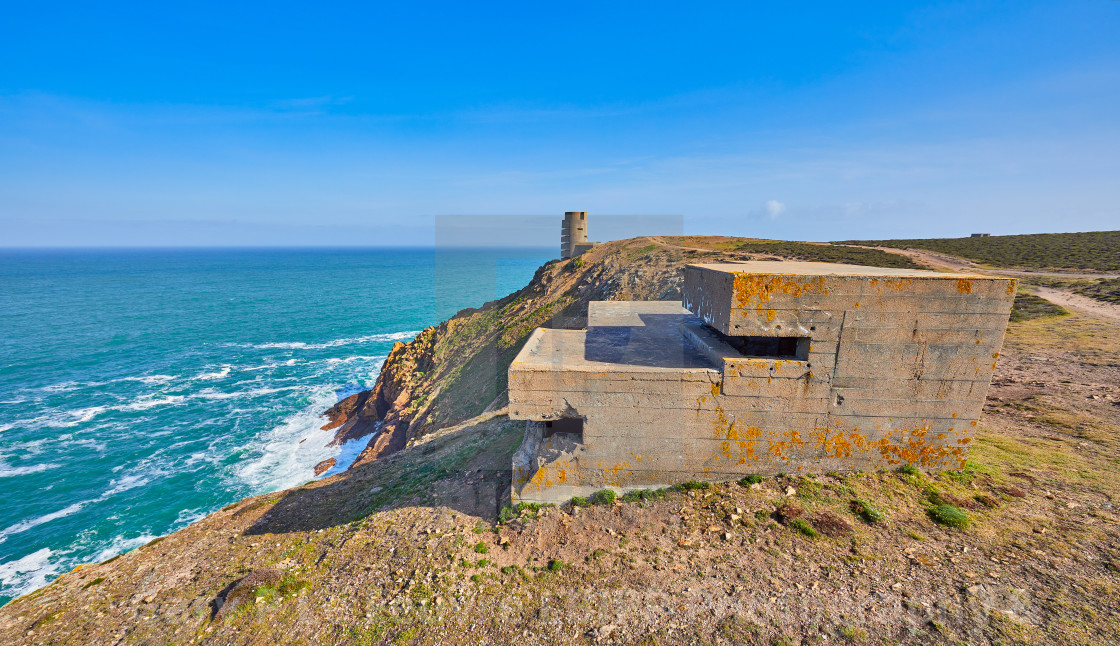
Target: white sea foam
209 376
7 471
124 483
120 545
301 345
188 516
281 460
27 573
151 379
357 357
146 402
24 525
210 393
346 456
83 415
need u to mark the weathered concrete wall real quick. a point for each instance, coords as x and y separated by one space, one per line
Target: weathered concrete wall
573 234
893 368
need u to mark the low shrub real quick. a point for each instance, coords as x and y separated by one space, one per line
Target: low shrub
749 480
580 501
865 511
787 512
481 548
691 485
949 516
643 495
605 497
803 527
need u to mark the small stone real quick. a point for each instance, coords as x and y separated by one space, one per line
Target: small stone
790 491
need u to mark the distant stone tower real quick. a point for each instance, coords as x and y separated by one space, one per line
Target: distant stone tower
573 235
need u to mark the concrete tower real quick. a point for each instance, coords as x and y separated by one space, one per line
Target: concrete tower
573 234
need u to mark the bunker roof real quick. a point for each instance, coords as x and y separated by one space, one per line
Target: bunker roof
823 269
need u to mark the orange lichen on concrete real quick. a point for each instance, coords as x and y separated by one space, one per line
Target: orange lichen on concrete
761 286
964 286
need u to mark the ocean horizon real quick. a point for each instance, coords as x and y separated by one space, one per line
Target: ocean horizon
143 388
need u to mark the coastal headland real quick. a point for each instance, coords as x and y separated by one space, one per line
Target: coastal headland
413 544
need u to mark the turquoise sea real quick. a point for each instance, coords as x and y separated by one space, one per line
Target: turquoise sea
142 389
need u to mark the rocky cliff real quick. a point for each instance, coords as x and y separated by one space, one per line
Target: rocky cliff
457 369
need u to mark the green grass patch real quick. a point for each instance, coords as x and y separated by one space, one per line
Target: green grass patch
691 485
481 548
98 581
1099 250
580 501
803 527
605 497
810 252
1028 307
949 516
555 565
1107 290
749 480
642 495
864 510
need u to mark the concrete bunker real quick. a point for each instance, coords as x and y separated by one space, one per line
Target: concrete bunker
765 367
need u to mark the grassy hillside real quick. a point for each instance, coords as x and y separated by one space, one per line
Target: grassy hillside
1093 250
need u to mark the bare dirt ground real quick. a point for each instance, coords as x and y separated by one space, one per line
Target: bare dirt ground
405 550
1077 302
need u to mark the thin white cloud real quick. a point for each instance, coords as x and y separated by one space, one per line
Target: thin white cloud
774 208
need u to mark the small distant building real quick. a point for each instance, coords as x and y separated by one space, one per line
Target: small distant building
981 235
573 235
765 368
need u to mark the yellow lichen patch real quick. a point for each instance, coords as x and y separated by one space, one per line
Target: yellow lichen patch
897 285
761 287
715 389
964 286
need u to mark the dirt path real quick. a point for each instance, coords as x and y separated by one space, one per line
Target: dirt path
1077 302
936 260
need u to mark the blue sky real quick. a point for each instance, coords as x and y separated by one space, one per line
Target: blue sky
279 123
